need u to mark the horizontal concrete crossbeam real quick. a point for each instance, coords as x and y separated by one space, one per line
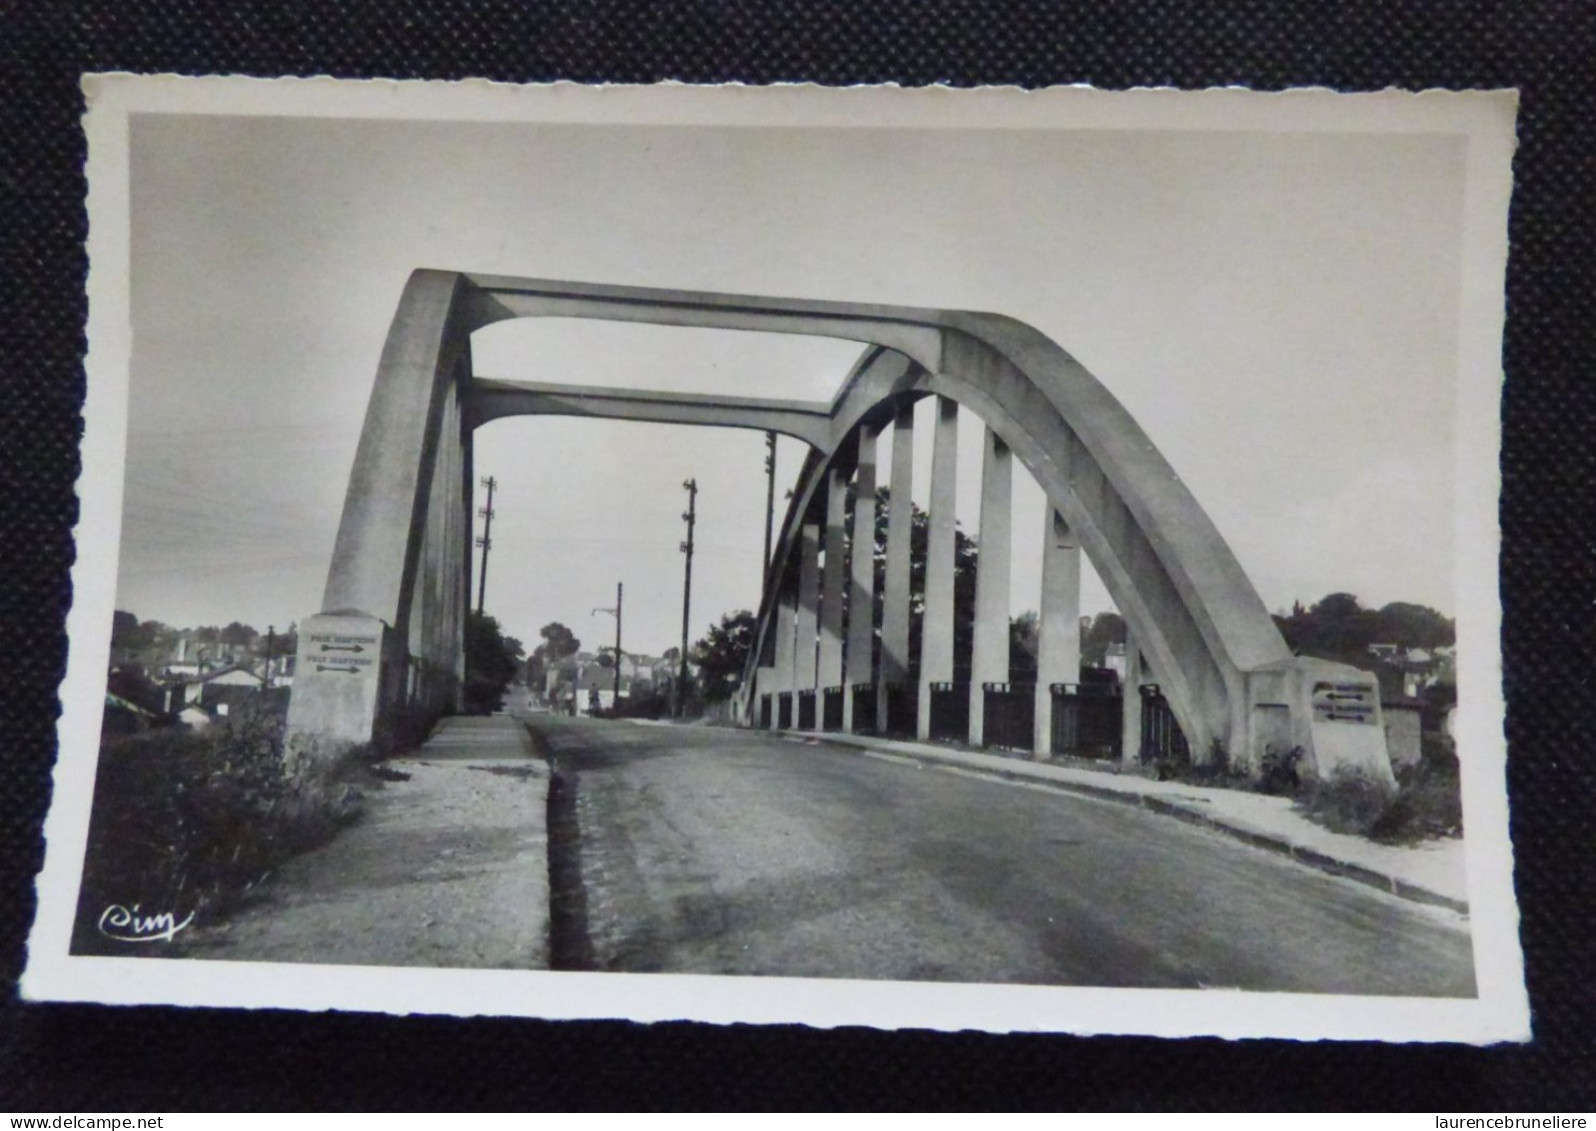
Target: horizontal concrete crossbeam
490 399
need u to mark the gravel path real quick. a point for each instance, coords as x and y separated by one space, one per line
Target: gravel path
448 868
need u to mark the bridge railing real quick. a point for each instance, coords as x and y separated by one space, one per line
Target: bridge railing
864 708
950 711
1087 719
903 707
831 708
806 709
1009 715
1162 739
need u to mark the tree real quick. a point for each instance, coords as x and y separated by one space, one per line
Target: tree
239 635
1339 628
1105 629
131 683
722 654
1335 628
125 630
1415 626
130 638
965 561
287 641
491 659
559 643
1024 646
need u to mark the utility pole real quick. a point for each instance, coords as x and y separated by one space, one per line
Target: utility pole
485 541
616 613
770 492
691 518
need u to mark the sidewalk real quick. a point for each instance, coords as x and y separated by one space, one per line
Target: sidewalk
1432 872
446 868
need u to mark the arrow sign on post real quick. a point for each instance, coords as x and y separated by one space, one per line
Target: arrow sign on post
1345 703
342 648
334 668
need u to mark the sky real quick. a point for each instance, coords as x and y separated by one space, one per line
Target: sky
1277 310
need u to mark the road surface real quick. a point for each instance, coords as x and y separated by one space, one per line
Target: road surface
700 850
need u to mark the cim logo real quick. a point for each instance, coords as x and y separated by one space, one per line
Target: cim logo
126 924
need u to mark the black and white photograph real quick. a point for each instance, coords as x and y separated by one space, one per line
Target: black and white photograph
952 559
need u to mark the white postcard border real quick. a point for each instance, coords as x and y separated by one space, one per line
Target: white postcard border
1501 1011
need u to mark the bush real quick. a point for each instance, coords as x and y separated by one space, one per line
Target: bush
1349 801
1428 802
1217 771
184 823
1277 774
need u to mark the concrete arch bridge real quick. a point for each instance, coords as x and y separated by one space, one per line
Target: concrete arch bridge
389 635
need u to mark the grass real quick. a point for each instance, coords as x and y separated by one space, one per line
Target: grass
187 823
1427 805
1217 771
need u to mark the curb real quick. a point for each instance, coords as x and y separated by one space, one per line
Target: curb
1311 857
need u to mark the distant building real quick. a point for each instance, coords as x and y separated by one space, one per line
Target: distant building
194 717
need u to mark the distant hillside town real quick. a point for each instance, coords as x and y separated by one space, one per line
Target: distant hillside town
160 675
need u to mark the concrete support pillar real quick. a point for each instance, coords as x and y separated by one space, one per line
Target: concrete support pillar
1130 741
831 584
936 638
786 607
764 684
1058 652
989 659
468 483
859 657
803 664
435 625
895 586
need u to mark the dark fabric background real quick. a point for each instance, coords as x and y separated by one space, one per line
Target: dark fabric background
80 1058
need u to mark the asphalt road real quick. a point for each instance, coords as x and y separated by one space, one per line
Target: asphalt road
696 850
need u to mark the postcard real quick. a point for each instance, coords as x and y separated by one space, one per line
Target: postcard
996 559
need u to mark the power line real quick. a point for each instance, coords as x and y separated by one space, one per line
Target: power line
691 518
616 613
485 541
770 492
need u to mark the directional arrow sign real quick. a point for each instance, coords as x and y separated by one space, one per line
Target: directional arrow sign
1337 695
326 668
342 648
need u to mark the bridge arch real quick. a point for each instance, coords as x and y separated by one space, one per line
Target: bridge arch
1200 653
403 548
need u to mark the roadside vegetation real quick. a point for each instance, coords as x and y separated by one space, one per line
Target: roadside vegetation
186 824
1428 803
491 661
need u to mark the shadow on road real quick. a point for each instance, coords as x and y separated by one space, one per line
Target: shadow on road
570 947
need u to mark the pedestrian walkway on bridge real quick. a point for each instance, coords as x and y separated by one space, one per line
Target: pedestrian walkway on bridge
407 884
1431 872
